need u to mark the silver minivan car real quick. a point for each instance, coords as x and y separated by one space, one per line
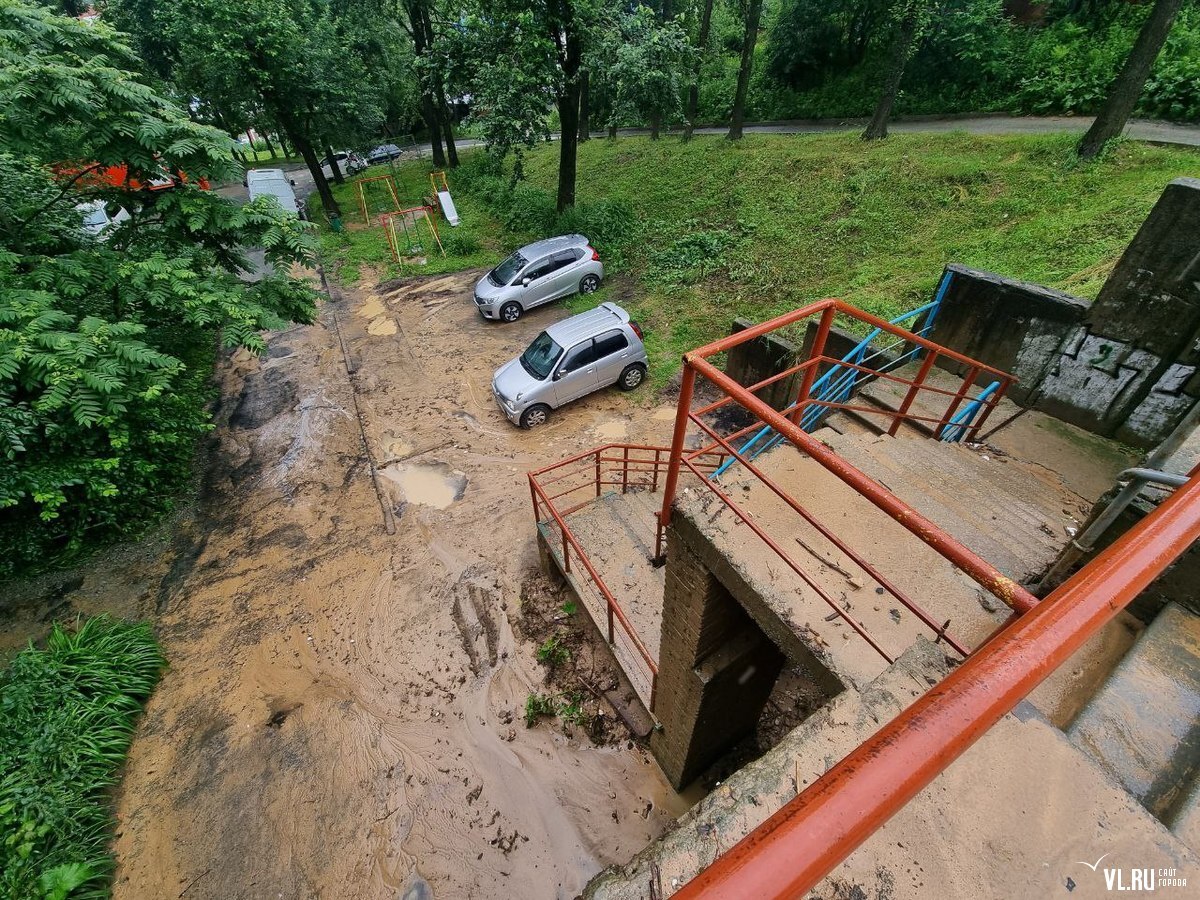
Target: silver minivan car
569 360
538 273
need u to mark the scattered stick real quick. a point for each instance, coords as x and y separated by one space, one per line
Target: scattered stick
823 558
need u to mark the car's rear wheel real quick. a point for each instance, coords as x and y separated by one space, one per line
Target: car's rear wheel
588 284
632 377
510 312
534 416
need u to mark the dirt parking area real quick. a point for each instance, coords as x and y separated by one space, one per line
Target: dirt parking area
342 716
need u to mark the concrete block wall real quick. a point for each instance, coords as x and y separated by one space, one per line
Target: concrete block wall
760 358
1126 366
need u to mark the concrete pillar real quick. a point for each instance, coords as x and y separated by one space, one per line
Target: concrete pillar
716 669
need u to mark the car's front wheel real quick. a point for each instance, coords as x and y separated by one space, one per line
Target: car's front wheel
510 312
534 416
632 377
588 284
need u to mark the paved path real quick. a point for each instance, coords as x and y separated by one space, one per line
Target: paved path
1138 129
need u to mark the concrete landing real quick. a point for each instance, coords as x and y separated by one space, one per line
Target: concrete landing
617 532
1143 725
1013 817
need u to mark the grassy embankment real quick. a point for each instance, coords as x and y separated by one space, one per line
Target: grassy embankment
709 230
67 714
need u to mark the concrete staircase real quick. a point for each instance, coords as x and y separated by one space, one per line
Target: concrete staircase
1016 515
1143 725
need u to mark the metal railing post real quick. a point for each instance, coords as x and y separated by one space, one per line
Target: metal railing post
964 389
654 474
973 432
597 455
686 387
810 374
566 550
913 389
625 471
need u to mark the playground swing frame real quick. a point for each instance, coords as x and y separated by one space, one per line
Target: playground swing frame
388 221
390 180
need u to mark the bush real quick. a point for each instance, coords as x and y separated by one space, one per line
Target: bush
67 715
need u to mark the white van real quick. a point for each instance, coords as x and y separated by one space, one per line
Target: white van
275 183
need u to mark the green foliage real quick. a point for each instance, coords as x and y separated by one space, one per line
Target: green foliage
822 60
570 608
757 228
67 714
106 341
553 652
642 63
537 707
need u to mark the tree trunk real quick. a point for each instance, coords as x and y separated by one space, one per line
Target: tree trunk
338 177
1127 88
429 114
753 17
270 146
568 113
447 127
655 123
901 48
585 117
301 143
693 101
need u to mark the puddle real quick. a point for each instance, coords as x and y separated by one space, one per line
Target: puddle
429 484
382 325
372 309
613 430
666 414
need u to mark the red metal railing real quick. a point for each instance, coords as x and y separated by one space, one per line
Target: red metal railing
564 488
697 362
800 844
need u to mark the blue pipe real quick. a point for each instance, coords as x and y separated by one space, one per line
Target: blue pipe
846 381
957 427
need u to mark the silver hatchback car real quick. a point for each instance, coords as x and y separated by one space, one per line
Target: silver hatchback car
538 273
568 360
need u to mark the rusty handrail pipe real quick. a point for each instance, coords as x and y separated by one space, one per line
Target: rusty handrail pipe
983 572
609 599
733 340
801 843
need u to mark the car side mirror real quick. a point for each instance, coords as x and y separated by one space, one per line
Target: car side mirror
559 374
524 282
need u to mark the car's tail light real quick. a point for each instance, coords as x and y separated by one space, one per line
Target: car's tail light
595 255
637 329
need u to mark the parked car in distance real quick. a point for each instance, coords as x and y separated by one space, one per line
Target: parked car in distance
538 273
275 183
383 153
569 360
348 163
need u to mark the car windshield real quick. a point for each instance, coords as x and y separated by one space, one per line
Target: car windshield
507 270
539 359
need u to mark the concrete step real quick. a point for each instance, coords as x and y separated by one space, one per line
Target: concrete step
1001 510
1185 822
1143 725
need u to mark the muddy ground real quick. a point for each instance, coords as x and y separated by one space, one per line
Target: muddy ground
342 716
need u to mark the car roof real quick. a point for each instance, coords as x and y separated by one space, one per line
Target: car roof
550 245
265 175
570 331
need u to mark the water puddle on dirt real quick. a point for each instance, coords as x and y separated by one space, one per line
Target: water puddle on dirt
429 484
382 325
372 309
612 430
665 414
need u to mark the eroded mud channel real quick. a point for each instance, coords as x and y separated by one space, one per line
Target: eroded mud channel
342 716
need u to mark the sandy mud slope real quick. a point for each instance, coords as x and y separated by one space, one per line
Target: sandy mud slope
342 715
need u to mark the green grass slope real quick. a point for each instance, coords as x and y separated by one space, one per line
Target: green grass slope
794 219
710 230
